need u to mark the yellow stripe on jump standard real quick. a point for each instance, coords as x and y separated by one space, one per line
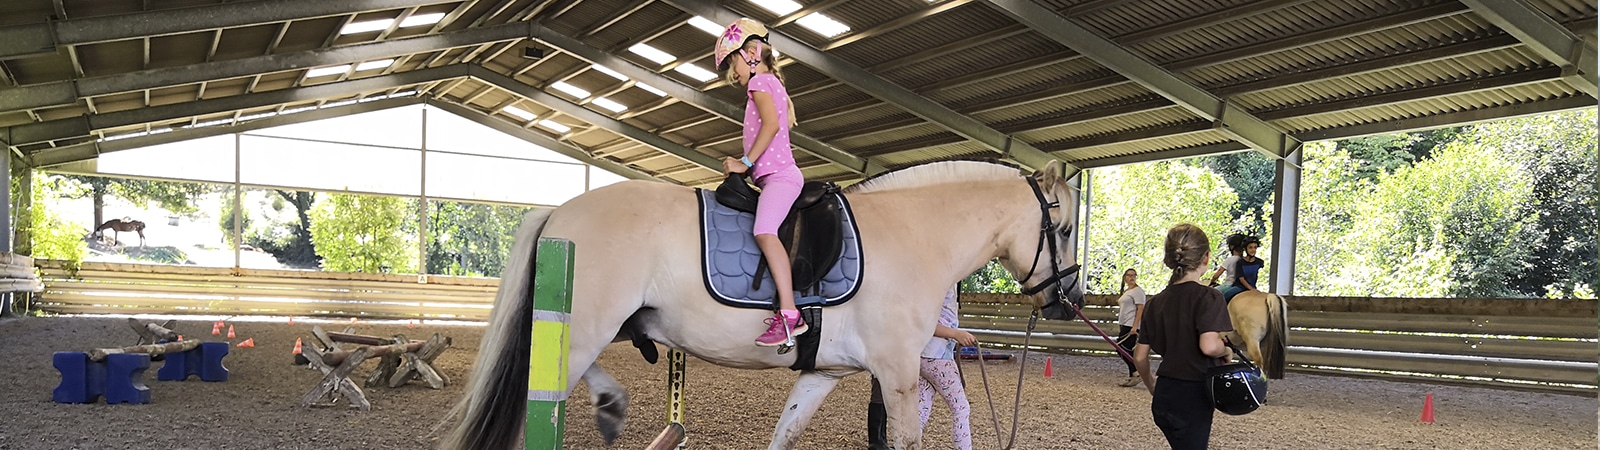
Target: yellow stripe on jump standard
547 368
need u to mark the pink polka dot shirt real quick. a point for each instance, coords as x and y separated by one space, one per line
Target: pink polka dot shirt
778 154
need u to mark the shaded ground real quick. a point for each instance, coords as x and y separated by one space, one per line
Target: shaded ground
1080 408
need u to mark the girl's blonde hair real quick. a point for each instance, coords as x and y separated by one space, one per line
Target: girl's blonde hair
772 64
1186 248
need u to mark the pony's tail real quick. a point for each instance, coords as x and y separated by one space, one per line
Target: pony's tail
1277 338
492 410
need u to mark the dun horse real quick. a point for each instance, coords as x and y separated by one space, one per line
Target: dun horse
1261 323
637 270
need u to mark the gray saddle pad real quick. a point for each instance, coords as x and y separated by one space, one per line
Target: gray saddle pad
729 257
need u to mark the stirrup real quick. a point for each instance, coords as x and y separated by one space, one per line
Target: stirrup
788 337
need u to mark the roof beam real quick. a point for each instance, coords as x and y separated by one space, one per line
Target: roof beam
1471 85
876 86
1451 119
1165 155
601 120
695 97
542 140
68 92
1545 37
1384 127
86 125
43 38
1230 119
897 23
91 149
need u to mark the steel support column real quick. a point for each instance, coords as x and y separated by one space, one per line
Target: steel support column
1286 221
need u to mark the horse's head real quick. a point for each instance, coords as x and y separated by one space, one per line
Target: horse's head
1040 256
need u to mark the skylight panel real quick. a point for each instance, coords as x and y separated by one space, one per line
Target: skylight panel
651 53
823 25
366 26
325 71
609 104
695 72
518 112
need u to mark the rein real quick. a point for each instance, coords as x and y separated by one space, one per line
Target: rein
1046 235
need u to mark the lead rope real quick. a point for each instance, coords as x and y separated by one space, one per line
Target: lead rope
1016 405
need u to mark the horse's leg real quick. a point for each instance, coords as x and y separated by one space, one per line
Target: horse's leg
899 383
803 401
610 402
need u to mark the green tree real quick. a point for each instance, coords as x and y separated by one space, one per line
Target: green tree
290 243
1447 226
1252 176
470 238
991 279
1386 153
1557 153
1330 190
177 197
53 237
360 233
225 221
1134 207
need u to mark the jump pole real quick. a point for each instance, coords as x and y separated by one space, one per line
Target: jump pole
547 363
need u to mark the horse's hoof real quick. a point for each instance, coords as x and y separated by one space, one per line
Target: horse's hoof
611 415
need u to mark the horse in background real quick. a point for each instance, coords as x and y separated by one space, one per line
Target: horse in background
1261 323
118 226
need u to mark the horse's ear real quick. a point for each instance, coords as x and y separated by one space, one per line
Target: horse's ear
1051 173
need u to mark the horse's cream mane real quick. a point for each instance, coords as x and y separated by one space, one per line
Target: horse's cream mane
936 173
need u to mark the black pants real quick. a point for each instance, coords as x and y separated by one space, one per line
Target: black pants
1182 411
1127 340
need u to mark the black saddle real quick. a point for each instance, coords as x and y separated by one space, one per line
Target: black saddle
812 231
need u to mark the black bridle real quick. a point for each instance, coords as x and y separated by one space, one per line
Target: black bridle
1047 234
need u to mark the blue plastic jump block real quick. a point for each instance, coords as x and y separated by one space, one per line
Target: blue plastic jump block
204 361
120 378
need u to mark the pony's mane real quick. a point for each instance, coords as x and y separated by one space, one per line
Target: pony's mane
937 172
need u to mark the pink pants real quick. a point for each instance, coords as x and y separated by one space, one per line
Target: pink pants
778 193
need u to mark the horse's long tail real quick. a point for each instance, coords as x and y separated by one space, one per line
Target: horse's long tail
492 410
1277 338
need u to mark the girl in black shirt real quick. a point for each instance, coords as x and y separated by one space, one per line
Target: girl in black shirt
1184 324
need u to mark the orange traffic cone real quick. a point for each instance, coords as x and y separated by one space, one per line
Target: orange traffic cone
1427 409
248 343
180 337
413 324
230 331
291 321
216 329
1048 373
296 346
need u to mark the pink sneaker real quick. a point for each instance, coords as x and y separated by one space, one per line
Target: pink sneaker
774 335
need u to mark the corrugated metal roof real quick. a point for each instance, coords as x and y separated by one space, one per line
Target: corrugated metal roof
1283 60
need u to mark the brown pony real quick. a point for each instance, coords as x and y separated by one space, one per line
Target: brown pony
118 226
